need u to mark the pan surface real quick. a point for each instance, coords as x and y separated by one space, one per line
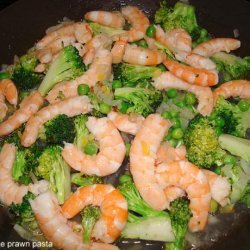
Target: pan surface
24 22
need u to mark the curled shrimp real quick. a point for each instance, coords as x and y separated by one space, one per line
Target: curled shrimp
215 45
100 70
118 49
173 192
142 160
203 94
142 56
190 178
29 106
70 107
10 191
192 75
112 19
138 21
7 90
240 88
111 154
130 124
56 228
114 209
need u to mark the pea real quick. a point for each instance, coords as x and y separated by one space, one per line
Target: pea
116 84
212 116
176 123
217 170
142 43
167 115
151 30
83 89
190 98
90 149
128 146
123 107
243 105
175 114
125 178
218 131
104 108
213 206
162 67
4 75
180 104
229 159
173 142
177 133
171 93
219 122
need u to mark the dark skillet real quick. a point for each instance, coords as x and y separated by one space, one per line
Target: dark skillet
24 22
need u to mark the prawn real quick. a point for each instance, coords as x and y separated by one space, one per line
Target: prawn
130 124
7 90
173 192
192 75
44 55
12 192
240 88
215 45
56 228
203 94
112 19
100 70
190 178
70 107
111 154
118 50
142 56
113 207
138 21
142 160
29 106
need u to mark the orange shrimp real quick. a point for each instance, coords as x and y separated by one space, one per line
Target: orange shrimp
189 74
118 49
56 228
112 19
173 192
113 207
240 88
200 62
190 178
215 45
111 154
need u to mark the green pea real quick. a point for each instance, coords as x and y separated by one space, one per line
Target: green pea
243 105
190 98
104 108
151 30
142 43
128 146
177 133
4 75
116 84
218 131
123 107
212 116
219 122
173 142
83 89
180 104
217 170
125 178
176 123
229 159
175 114
172 93
213 206
90 149
167 115
162 67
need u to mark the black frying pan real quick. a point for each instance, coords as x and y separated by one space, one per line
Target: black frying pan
24 22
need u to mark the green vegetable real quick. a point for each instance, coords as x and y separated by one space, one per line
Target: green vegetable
91 149
246 196
190 98
213 206
151 30
104 108
116 84
81 180
142 43
171 93
177 133
68 65
4 75
243 105
83 89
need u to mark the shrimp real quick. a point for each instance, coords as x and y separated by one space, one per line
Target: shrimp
44 55
203 94
173 192
113 207
111 154
112 19
10 191
142 160
215 45
100 70
70 107
200 62
29 106
40 68
142 56
138 21
56 228
130 124
190 178
118 50
59 43
240 88
7 90
192 75
81 49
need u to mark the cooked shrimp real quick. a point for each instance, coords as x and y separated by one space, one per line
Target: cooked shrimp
118 49
200 62
40 68
142 56
190 178
215 45
189 74
138 21
10 191
100 70
240 88
112 19
203 94
173 192
56 228
59 43
44 55
113 207
81 48
130 124
142 160
29 106
70 107
111 152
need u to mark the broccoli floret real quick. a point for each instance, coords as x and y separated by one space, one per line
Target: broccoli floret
180 214
181 16
54 169
83 180
232 67
68 65
202 144
138 100
90 215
